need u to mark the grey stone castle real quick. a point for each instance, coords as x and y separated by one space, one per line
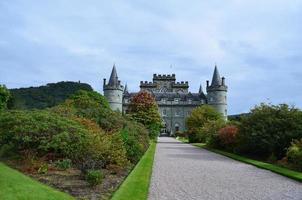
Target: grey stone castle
174 99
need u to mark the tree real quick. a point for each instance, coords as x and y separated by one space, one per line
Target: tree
269 129
143 109
4 97
46 96
198 122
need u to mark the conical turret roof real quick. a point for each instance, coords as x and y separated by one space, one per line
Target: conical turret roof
216 80
113 81
200 89
126 89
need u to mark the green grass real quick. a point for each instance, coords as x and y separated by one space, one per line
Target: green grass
16 186
136 185
182 139
274 168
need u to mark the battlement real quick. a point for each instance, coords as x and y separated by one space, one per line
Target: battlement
147 84
181 84
170 77
109 87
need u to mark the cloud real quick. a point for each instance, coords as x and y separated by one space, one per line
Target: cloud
256 44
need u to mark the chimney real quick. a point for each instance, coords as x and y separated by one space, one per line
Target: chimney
104 82
223 81
207 83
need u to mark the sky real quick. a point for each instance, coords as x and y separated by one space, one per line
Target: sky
256 44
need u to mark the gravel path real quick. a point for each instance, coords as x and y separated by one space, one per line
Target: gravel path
184 172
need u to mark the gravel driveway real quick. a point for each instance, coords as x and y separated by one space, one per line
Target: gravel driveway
184 172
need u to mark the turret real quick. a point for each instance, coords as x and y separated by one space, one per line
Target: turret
113 91
200 90
126 89
217 93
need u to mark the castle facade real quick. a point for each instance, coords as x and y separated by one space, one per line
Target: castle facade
174 99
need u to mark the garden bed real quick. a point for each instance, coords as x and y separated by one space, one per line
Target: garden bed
73 182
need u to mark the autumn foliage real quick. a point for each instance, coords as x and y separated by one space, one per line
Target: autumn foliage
228 136
143 109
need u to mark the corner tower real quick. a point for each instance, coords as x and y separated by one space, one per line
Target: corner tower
217 93
113 91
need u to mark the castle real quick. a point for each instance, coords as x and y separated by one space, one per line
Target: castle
174 100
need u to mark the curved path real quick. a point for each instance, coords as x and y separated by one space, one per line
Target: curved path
183 172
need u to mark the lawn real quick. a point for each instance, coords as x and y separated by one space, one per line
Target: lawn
263 165
136 185
16 186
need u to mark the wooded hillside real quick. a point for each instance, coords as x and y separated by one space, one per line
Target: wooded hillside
44 96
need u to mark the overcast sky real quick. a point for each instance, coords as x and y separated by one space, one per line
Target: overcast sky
257 44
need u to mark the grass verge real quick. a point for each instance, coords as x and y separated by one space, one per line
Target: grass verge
136 185
14 186
274 168
182 139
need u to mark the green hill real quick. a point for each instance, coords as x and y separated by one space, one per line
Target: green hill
44 96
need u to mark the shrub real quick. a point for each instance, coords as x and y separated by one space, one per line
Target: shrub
94 177
269 129
136 140
92 106
107 147
197 120
7 150
43 132
48 133
115 135
228 136
183 134
210 130
4 97
112 121
294 153
87 104
43 169
143 109
63 164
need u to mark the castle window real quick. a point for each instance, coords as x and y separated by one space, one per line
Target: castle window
176 100
164 112
190 101
211 99
177 112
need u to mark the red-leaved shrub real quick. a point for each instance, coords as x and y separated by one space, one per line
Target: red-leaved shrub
228 136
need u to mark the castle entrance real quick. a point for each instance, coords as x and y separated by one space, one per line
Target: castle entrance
164 131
